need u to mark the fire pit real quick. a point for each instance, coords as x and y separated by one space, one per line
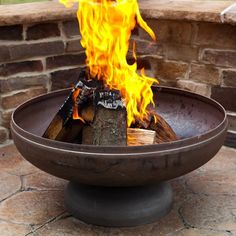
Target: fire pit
115 185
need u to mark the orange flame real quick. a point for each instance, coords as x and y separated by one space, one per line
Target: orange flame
106 26
76 115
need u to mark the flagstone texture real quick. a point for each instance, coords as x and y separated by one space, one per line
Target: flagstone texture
32 202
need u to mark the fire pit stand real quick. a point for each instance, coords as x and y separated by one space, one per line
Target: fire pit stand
120 185
118 206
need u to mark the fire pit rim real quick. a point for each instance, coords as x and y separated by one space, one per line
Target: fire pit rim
185 142
134 152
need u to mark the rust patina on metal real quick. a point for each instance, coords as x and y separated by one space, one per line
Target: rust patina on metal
200 122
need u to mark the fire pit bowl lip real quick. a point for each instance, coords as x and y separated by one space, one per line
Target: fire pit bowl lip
175 146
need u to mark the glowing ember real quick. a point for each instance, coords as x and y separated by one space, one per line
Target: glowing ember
106 27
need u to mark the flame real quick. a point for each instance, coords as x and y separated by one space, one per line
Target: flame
76 115
105 27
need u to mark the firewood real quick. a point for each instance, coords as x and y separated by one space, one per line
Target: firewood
109 126
87 113
138 137
164 132
63 123
63 127
70 131
87 135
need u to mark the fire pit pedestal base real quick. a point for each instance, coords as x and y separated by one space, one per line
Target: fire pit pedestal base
118 206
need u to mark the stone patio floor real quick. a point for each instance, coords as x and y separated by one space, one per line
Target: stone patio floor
31 202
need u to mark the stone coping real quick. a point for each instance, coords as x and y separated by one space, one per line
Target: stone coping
191 10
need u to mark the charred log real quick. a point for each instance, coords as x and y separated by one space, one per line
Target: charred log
109 126
65 127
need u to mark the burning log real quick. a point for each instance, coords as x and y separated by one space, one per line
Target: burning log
62 125
67 123
93 115
109 124
164 132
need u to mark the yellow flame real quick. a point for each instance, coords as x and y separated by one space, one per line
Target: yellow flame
105 27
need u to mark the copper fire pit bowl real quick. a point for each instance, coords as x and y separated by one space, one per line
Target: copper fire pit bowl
122 186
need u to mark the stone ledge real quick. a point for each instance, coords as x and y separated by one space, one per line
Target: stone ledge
34 12
209 11
230 15
190 10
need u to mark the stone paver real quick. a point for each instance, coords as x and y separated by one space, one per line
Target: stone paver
12 162
32 202
225 160
10 229
32 207
9 184
72 227
214 183
213 212
43 181
200 232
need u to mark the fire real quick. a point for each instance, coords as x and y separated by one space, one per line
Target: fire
76 115
105 27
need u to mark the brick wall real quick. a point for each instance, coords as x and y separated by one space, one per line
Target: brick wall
41 57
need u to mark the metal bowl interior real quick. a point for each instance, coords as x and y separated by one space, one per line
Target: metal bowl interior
199 121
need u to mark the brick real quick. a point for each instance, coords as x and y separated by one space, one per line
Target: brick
4 54
219 57
205 74
74 46
17 83
218 35
145 47
141 63
3 135
40 31
229 78
225 96
12 100
203 89
64 78
134 32
36 49
170 31
18 67
11 32
65 60
167 72
71 28
182 52
5 117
